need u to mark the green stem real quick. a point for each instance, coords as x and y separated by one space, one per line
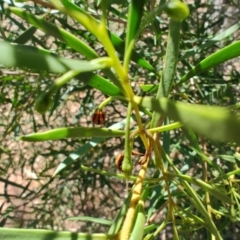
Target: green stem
110 99
193 196
121 176
127 165
165 128
112 174
59 82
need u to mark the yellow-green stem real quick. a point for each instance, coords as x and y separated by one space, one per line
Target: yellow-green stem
127 165
137 190
165 127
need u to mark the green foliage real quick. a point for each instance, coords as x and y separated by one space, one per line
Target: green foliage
189 124
43 103
7 233
79 132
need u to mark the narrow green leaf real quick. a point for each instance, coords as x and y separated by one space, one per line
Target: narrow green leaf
169 71
134 19
228 158
218 37
119 45
99 83
208 188
25 36
58 32
194 198
42 60
215 123
77 154
237 156
127 165
91 219
77 132
192 138
39 234
229 52
150 88
138 229
85 148
117 223
117 42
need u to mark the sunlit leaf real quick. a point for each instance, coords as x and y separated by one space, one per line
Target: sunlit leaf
215 123
91 219
77 132
85 148
134 19
36 234
117 42
150 88
229 52
138 229
218 37
22 56
42 60
56 31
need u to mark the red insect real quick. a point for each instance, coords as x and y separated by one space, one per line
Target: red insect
98 117
118 161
